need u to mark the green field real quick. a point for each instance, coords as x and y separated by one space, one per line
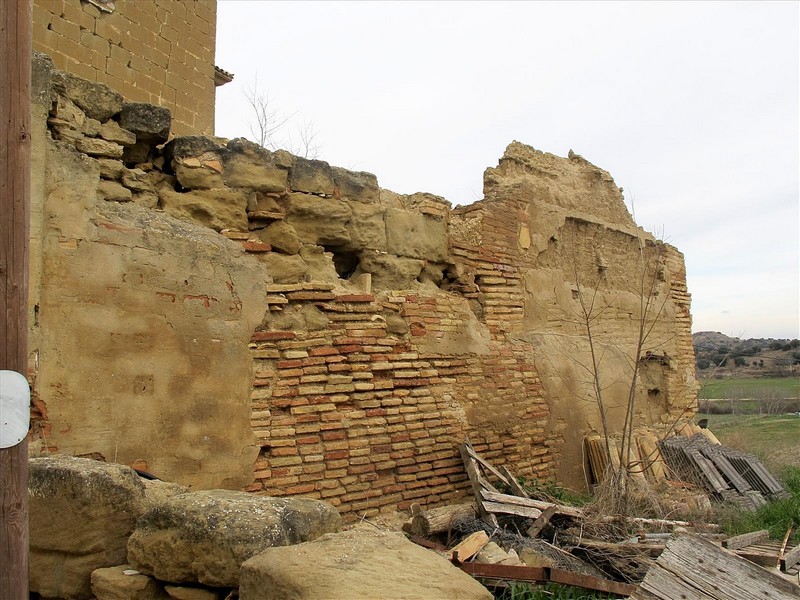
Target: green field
775 439
766 388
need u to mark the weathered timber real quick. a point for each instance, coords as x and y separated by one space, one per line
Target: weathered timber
746 539
438 520
469 546
790 559
541 521
475 482
512 509
567 511
513 484
691 568
544 574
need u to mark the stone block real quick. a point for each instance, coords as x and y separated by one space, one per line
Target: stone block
112 132
150 123
320 221
97 100
97 147
124 583
113 191
218 209
390 272
359 563
204 537
311 177
416 236
282 237
366 226
358 186
283 268
249 165
81 514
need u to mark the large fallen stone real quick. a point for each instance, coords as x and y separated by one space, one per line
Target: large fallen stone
359 563
204 537
81 514
284 268
311 176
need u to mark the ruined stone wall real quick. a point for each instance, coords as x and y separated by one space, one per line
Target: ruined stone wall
233 317
155 51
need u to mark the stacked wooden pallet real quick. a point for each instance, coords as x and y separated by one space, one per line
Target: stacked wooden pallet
725 473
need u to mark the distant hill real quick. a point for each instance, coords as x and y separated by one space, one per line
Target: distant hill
720 355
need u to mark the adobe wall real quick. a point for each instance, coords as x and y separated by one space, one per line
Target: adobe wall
155 51
225 316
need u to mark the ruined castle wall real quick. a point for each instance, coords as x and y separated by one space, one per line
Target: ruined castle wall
589 279
233 317
155 51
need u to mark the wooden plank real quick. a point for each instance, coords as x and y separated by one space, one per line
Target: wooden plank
474 480
485 464
790 559
568 511
544 574
513 484
746 539
591 583
469 546
692 568
512 509
541 521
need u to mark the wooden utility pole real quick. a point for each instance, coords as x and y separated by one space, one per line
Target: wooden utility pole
15 187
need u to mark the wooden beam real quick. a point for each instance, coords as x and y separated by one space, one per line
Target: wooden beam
540 522
746 539
790 559
15 188
543 574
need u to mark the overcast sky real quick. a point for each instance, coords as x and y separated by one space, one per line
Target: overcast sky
693 107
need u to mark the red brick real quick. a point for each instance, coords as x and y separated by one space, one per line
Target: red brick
326 351
256 247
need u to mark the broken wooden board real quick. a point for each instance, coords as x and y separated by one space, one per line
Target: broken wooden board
790 559
469 546
691 568
541 522
545 574
746 539
560 509
477 483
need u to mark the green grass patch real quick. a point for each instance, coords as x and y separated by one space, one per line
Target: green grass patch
776 517
548 591
768 388
775 439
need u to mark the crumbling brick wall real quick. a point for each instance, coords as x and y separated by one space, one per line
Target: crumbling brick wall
309 333
155 51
